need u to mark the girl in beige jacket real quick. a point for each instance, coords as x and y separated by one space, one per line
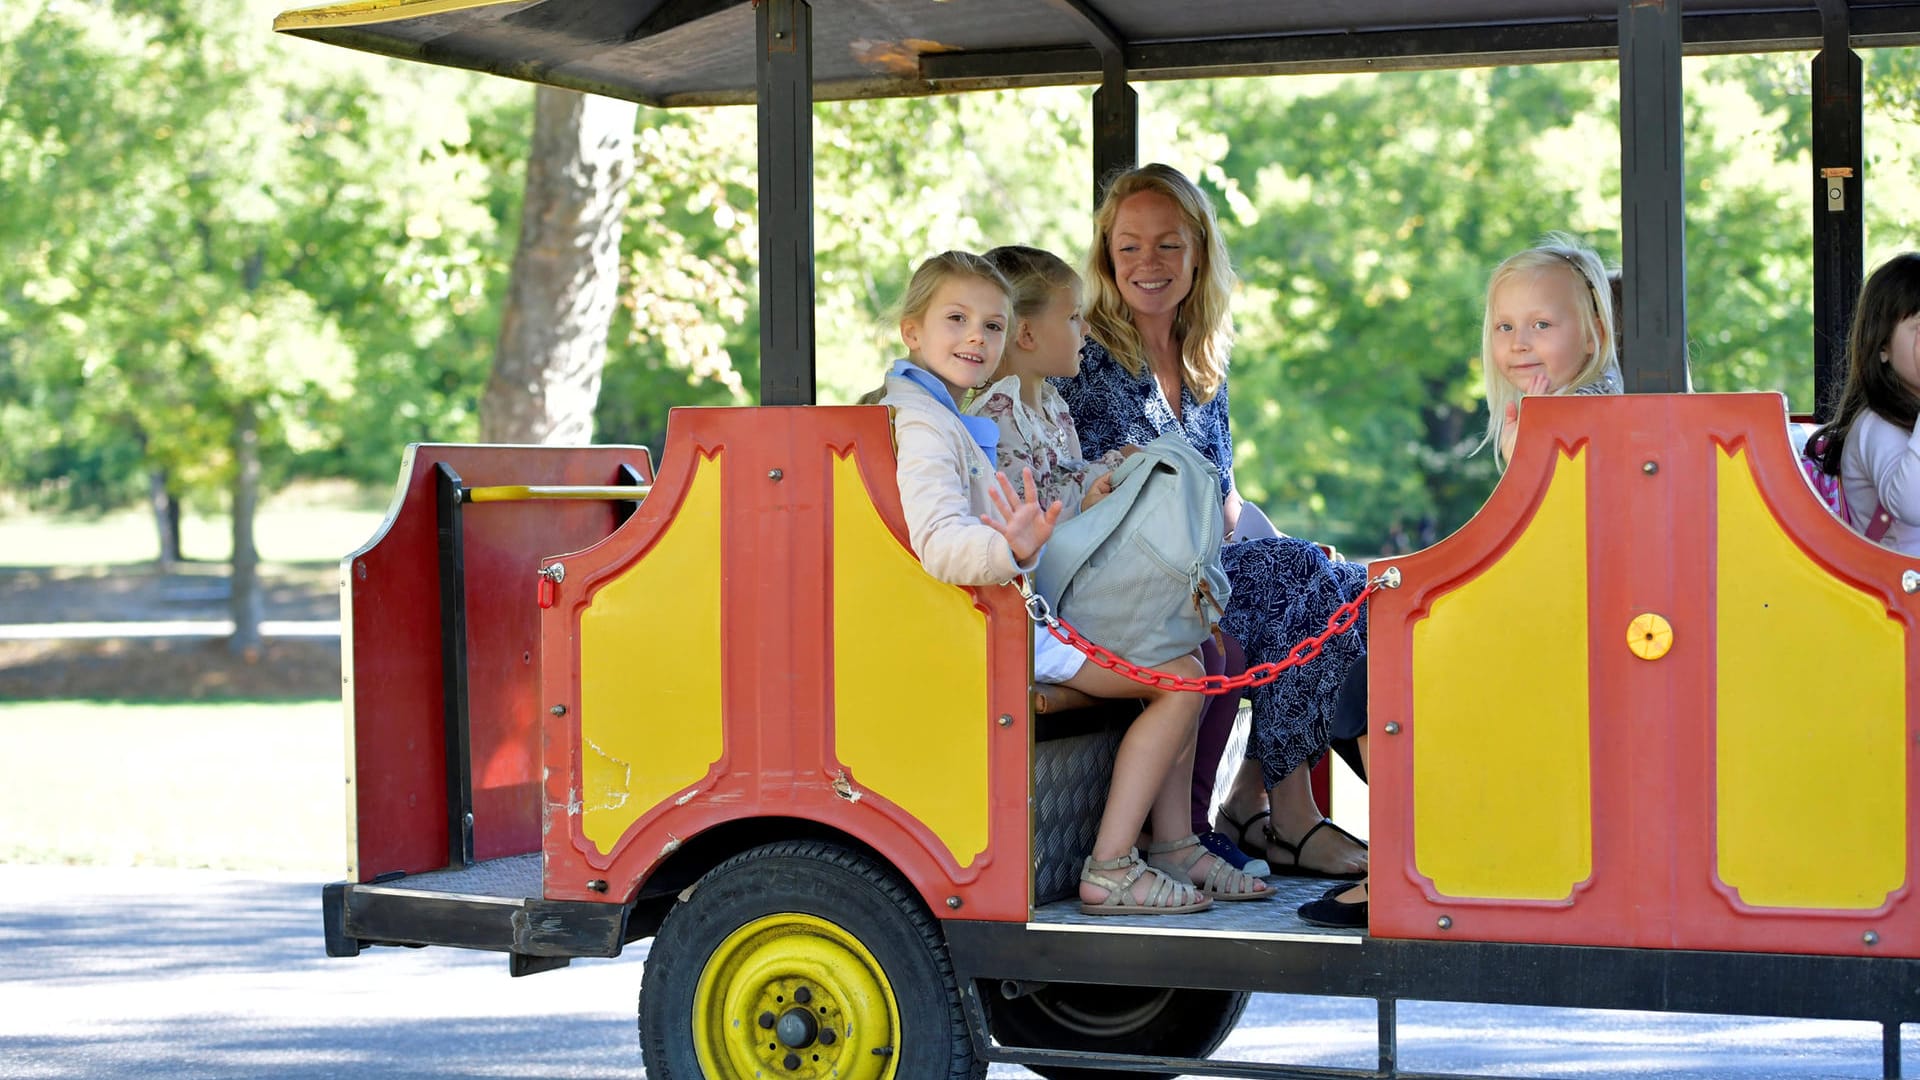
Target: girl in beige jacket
969 527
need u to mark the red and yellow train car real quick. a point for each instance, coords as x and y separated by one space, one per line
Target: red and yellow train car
709 698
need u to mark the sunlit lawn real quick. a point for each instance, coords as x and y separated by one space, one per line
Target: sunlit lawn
239 786
306 523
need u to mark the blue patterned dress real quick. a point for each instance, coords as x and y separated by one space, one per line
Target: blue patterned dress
1284 588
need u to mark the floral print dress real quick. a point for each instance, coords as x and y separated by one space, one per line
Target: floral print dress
1284 588
1043 440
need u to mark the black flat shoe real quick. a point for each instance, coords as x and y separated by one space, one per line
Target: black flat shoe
1331 913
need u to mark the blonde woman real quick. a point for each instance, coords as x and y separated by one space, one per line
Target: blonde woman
1159 333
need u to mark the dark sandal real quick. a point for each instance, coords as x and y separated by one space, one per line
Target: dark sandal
1294 868
1333 914
1242 828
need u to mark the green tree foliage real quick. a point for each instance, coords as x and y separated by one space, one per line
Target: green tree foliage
198 218
198 221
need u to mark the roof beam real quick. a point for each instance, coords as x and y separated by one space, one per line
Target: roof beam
1478 46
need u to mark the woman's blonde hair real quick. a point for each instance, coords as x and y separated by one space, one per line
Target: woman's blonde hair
1555 251
1033 277
1201 324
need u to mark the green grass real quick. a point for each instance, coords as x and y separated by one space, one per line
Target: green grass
305 523
246 786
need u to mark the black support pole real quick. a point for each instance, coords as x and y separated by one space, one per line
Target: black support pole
1653 331
785 102
1839 238
1116 108
457 730
1116 132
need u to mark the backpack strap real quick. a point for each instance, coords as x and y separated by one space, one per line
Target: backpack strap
1878 524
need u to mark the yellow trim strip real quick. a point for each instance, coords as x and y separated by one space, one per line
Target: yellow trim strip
525 492
369 12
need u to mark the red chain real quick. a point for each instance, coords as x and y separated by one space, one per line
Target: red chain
1339 622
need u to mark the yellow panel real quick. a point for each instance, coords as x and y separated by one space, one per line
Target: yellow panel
368 12
1811 720
645 739
909 676
1501 785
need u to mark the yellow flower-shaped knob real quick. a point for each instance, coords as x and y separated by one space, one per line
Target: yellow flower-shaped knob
1649 636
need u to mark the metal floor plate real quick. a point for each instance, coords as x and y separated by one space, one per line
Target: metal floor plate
515 877
1277 918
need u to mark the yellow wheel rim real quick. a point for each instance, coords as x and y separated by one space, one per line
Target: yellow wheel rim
798 997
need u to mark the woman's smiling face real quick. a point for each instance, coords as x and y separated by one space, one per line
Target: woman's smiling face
1152 252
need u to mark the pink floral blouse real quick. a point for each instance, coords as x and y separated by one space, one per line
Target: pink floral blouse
1044 441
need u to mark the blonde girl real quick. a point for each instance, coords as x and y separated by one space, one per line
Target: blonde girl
1548 330
1036 430
969 527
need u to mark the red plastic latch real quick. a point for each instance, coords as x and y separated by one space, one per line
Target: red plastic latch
549 592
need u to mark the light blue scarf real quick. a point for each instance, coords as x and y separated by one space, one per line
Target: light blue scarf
985 432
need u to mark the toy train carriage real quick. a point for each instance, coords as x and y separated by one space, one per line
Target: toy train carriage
1652 695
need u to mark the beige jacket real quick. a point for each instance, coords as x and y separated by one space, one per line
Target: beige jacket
944 479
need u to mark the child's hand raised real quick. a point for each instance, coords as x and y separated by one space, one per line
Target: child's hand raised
1026 526
1510 429
1099 489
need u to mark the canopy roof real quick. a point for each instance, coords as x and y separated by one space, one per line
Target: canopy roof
702 52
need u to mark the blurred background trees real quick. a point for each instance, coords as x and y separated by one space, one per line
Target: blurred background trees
229 260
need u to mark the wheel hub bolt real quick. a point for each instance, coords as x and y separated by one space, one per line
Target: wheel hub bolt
803 995
766 1020
792 1062
797 1028
826 1037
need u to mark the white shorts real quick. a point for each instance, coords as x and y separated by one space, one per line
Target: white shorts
1054 661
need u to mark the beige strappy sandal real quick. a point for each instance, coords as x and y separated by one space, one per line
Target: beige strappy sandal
1165 896
1222 882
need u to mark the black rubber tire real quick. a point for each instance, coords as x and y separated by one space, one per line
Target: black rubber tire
827 881
1147 1020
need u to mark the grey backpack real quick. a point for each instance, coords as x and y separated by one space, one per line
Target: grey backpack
1139 572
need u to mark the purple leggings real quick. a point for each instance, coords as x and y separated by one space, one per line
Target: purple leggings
1216 727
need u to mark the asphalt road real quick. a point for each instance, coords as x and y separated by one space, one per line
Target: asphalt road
186 973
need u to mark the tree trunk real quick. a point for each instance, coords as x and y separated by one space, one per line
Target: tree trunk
566 272
244 599
166 517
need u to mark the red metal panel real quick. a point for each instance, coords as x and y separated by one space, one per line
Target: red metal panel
1651 509
776 684
394 684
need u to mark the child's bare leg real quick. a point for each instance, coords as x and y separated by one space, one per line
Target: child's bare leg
1160 735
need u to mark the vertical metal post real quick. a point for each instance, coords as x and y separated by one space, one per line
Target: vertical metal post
1389 1012
1116 131
784 71
1839 238
456 723
1116 108
1890 1049
1653 331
